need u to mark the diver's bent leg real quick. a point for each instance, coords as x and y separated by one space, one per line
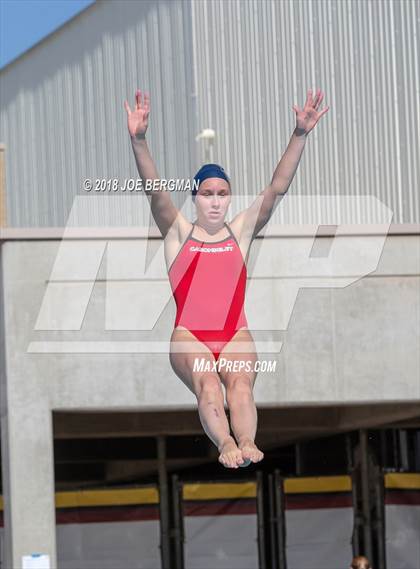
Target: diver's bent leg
207 389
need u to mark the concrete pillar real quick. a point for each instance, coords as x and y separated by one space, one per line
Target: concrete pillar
28 482
26 436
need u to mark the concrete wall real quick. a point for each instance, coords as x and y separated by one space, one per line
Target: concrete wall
345 339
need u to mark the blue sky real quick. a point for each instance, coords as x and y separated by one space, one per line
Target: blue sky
23 23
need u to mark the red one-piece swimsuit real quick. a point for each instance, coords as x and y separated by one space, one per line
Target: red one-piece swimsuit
208 281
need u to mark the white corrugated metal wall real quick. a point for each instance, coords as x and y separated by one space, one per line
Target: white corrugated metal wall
62 114
235 66
257 58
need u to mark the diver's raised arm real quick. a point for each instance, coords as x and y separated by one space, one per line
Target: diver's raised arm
163 209
253 219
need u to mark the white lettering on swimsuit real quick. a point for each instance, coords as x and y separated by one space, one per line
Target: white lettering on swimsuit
211 249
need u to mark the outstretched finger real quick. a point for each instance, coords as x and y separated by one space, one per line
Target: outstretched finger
308 97
295 108
318 98
138 99
146 102
127 108
322 113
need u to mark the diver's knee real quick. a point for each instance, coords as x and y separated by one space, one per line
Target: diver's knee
239 390
209 387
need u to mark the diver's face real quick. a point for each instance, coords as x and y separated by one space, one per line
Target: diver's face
213 199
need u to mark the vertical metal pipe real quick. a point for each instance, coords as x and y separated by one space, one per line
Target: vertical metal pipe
384 456
280 503
178 528
365 493
356 516
298 459
165 546
404 460
380 518
349 458
260 521
395 449
272 510
417 451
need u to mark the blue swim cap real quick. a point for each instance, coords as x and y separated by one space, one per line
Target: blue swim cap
209 171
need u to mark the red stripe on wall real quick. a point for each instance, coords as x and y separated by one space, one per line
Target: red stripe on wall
402 497
243 506
220 507
107 514
318 501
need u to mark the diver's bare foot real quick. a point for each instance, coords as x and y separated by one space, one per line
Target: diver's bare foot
250 451
230 455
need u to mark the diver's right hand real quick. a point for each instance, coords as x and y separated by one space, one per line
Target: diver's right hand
137 119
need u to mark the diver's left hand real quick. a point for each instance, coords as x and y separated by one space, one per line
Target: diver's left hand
307 117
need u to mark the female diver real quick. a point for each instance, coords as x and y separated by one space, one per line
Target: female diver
206 263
